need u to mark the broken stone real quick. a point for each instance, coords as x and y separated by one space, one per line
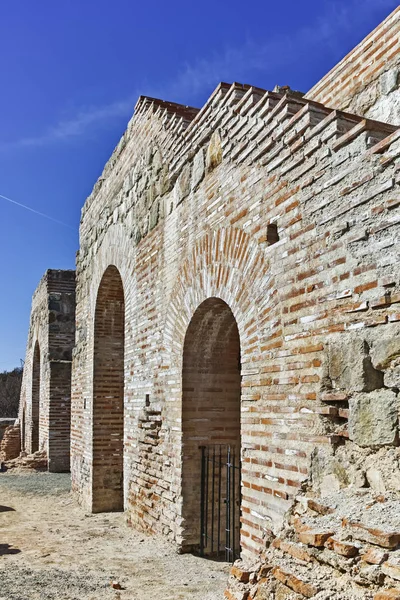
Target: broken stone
374 556
373 418
392 568
240 574
370 574
293 582
314 538
295 550
319 508
386 350
340 547
373 535
375 480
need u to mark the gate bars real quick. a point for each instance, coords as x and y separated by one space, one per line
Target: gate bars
220 501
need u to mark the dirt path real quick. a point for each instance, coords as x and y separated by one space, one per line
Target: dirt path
50 549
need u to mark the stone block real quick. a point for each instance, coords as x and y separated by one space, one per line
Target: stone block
385 350
373 418
198 168
375 480
391 377
214 152
350 367
182 186
389 81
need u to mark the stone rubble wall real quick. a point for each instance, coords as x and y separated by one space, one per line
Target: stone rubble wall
367 80
52 330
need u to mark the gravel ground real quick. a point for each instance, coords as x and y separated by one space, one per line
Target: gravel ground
50 549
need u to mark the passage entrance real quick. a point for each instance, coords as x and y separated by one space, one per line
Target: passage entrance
108 394
210 426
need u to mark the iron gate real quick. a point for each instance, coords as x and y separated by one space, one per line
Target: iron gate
220 502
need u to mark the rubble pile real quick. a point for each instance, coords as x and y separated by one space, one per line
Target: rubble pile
342 545
36 461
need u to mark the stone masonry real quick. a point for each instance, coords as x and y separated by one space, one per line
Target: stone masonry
236 277
45 402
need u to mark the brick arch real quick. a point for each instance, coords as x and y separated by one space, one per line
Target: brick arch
225 264
108 393
116 249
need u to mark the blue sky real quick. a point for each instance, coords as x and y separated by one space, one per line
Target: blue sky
71 73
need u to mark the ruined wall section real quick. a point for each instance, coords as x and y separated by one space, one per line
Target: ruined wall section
52 330
328 184
367 80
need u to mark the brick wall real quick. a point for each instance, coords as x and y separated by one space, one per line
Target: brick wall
248 159
367 80
44 411
263 225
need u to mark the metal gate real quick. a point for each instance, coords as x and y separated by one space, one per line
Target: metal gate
220 502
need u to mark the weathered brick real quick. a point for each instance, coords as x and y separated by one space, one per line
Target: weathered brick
295 583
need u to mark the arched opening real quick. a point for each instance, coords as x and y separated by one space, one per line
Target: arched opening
108 394
211 389
35 398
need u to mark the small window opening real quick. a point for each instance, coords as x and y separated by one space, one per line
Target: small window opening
272 234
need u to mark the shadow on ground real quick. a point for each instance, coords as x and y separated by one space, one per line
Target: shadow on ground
6 508
7 549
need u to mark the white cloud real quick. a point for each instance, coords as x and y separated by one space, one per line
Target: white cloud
230 65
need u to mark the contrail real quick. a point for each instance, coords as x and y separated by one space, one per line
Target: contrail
36 212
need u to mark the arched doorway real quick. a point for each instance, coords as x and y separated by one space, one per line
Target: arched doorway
108 394
35 398
211 390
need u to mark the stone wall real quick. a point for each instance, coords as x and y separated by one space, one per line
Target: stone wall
367 80
45 403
